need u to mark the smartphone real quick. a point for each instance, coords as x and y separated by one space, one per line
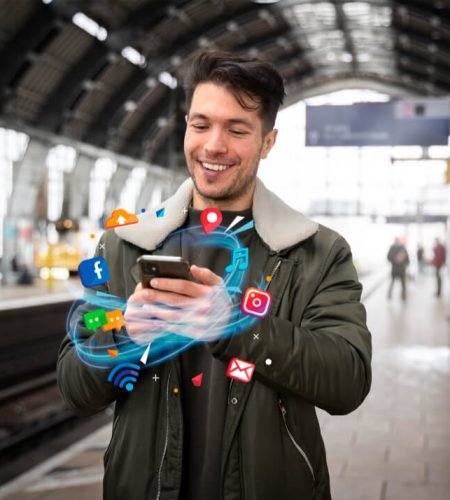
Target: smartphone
163 266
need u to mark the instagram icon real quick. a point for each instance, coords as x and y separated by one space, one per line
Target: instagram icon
256 302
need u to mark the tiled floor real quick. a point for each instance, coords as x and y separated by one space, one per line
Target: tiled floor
396 446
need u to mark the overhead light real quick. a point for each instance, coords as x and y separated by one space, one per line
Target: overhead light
168 80
47 1
265 1
134 56
90 26
408 152
346 57
439 152
130 106
162 122
363 57
232 26
150 82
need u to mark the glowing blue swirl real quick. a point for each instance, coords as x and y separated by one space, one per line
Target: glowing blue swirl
92 349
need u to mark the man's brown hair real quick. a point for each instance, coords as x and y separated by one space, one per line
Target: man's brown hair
255 84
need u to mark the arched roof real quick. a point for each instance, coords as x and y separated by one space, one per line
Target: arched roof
58 78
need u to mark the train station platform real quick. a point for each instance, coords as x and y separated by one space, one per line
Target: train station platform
396 446
39 293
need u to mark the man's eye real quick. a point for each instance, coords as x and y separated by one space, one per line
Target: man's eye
199 126
238 132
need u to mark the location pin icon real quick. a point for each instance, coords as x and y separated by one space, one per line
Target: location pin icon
210 219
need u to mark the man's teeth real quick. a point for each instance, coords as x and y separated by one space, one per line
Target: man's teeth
216 168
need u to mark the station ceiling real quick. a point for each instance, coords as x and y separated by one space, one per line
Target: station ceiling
119 86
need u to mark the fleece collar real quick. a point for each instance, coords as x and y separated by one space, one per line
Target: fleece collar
277 224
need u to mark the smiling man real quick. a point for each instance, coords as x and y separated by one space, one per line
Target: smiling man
186 432
225 140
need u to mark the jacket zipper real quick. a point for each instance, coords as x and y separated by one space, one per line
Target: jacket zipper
229 390
272 274
158 494
294 442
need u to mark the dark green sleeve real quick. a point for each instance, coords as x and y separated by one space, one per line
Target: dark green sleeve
326 358
84 389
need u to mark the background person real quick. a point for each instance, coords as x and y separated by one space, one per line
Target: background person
399 259
438 261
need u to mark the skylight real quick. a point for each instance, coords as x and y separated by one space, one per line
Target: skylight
133 56
168 80
90 26
319 15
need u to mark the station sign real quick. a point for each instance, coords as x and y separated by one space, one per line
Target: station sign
399 123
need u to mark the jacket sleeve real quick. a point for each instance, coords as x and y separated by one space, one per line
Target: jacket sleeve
85 389
324 359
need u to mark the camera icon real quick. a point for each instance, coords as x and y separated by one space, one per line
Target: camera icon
256 302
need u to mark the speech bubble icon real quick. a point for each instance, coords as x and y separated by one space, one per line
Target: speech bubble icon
115 320
95 319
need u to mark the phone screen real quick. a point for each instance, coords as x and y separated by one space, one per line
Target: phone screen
164 267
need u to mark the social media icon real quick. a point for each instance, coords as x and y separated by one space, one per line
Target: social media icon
115 320
160 213
210 219
95 319
93 271
120 217
240 370
197 380
256 302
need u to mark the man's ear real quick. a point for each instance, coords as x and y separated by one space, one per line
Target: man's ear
268 142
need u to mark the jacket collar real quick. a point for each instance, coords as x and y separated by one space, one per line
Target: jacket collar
277 224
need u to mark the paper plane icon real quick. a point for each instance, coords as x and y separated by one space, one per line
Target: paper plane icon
197 380
160 213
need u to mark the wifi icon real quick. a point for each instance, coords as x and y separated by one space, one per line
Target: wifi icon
124 375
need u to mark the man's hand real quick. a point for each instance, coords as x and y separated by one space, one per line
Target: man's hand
196 310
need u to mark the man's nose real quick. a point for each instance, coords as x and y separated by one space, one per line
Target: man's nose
216 143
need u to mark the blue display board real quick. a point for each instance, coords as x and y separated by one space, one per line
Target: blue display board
378 124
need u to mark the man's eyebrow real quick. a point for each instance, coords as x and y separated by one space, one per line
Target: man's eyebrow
231 121
193 116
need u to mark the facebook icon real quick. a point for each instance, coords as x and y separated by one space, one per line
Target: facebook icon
93 272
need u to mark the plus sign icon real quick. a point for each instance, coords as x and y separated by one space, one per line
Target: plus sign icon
93 272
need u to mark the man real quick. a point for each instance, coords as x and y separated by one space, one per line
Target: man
438 261
399 259
257 440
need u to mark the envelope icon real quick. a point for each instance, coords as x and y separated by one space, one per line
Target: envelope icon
240 370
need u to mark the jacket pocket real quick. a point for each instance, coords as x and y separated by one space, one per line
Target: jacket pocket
300 450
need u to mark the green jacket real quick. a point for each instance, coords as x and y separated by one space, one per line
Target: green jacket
315 337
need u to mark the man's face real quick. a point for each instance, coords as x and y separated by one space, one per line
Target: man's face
223 145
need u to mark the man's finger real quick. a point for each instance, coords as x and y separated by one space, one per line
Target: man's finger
176 286
206 276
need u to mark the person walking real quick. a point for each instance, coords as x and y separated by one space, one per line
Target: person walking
399 259
420 254
438 261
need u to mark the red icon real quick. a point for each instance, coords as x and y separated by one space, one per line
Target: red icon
256 302
240 370
210 219
197 380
